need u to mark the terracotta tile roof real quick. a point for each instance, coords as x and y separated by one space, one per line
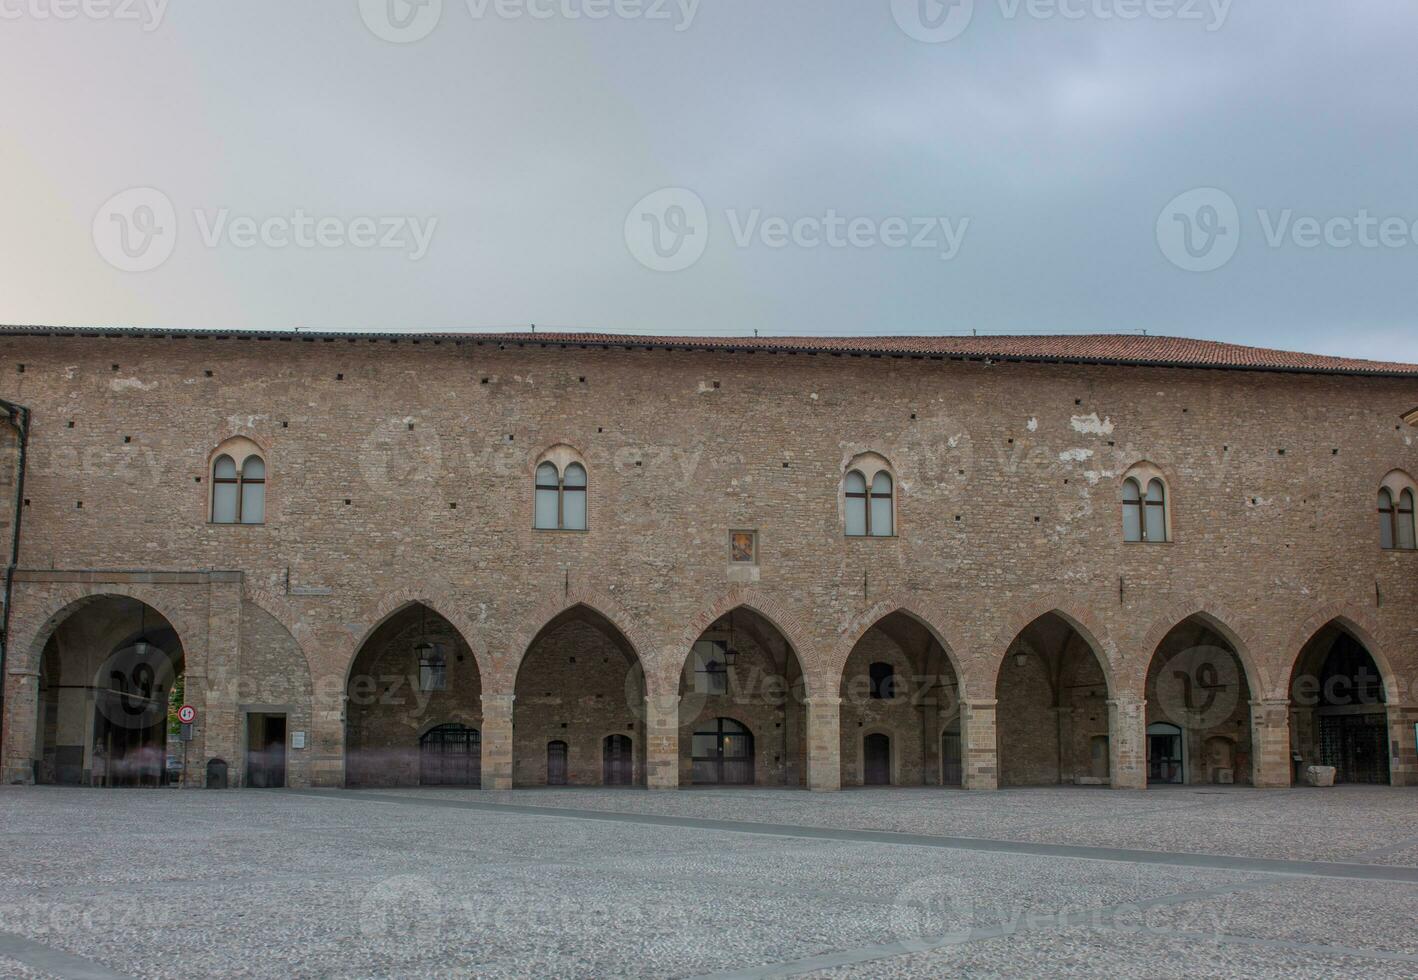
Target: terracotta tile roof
1120 349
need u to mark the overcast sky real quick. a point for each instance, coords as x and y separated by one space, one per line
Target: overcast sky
858 166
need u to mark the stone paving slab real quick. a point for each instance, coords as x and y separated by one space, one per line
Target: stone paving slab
276 884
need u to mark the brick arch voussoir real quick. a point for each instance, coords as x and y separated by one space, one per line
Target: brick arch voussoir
438 600
598 601
914 606
63 603
1081 618
819 679
1357 620
1230 624
283 612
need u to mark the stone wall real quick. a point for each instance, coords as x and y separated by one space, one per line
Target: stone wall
401 472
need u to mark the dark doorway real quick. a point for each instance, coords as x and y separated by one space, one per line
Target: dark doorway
265 751
451 755
951 771
556 763
723 754
1164 754
876 760
1357 746
618 766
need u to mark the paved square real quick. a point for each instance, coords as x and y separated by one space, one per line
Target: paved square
1187 882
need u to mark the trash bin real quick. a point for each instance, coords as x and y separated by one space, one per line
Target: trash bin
216 774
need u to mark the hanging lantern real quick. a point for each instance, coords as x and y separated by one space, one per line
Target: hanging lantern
731 653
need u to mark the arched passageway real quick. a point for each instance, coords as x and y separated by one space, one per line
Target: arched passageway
579 684
413 687
742 716
1052 714
1338 710
900 704
111 678
1198 709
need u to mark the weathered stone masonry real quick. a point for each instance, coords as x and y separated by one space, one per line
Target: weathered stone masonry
1023 632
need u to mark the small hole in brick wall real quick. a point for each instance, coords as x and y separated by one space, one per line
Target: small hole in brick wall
639 463
1111 443
79 504
1065 481
71 423
27 501
716 384
1078 401
460 658
487 380
1036 518
453 505
1334 452
957 517
582 380
599 429
1282 452
127 439
630 727
563 724
411 427
961 472
785 466
347 501
285 425
571 659
196 479
207 373
22 369
510 437
115 367
339 377
913 416
1011 442
1225 449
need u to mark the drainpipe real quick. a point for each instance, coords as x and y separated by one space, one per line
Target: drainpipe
20 419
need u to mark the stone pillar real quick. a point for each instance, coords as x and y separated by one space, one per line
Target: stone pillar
21 717
1063 738
215 666
1403 754
1271 764
981 749
1127 743
662 742
497 741
824 744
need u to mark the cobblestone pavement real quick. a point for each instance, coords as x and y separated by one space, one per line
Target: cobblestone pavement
1188 881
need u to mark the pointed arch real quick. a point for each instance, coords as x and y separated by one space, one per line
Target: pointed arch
911 606
1219 619
437 601
819 678
1079 618
1355 620
548 610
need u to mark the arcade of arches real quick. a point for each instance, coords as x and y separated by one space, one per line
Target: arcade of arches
579 710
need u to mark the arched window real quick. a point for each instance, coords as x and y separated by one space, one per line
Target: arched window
560 503
856 488
1396 519
879 518
1145 511
1132 510
239 490
869 509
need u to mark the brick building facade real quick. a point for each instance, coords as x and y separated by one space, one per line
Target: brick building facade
372 601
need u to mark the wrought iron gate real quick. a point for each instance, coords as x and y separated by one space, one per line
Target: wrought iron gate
450 755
